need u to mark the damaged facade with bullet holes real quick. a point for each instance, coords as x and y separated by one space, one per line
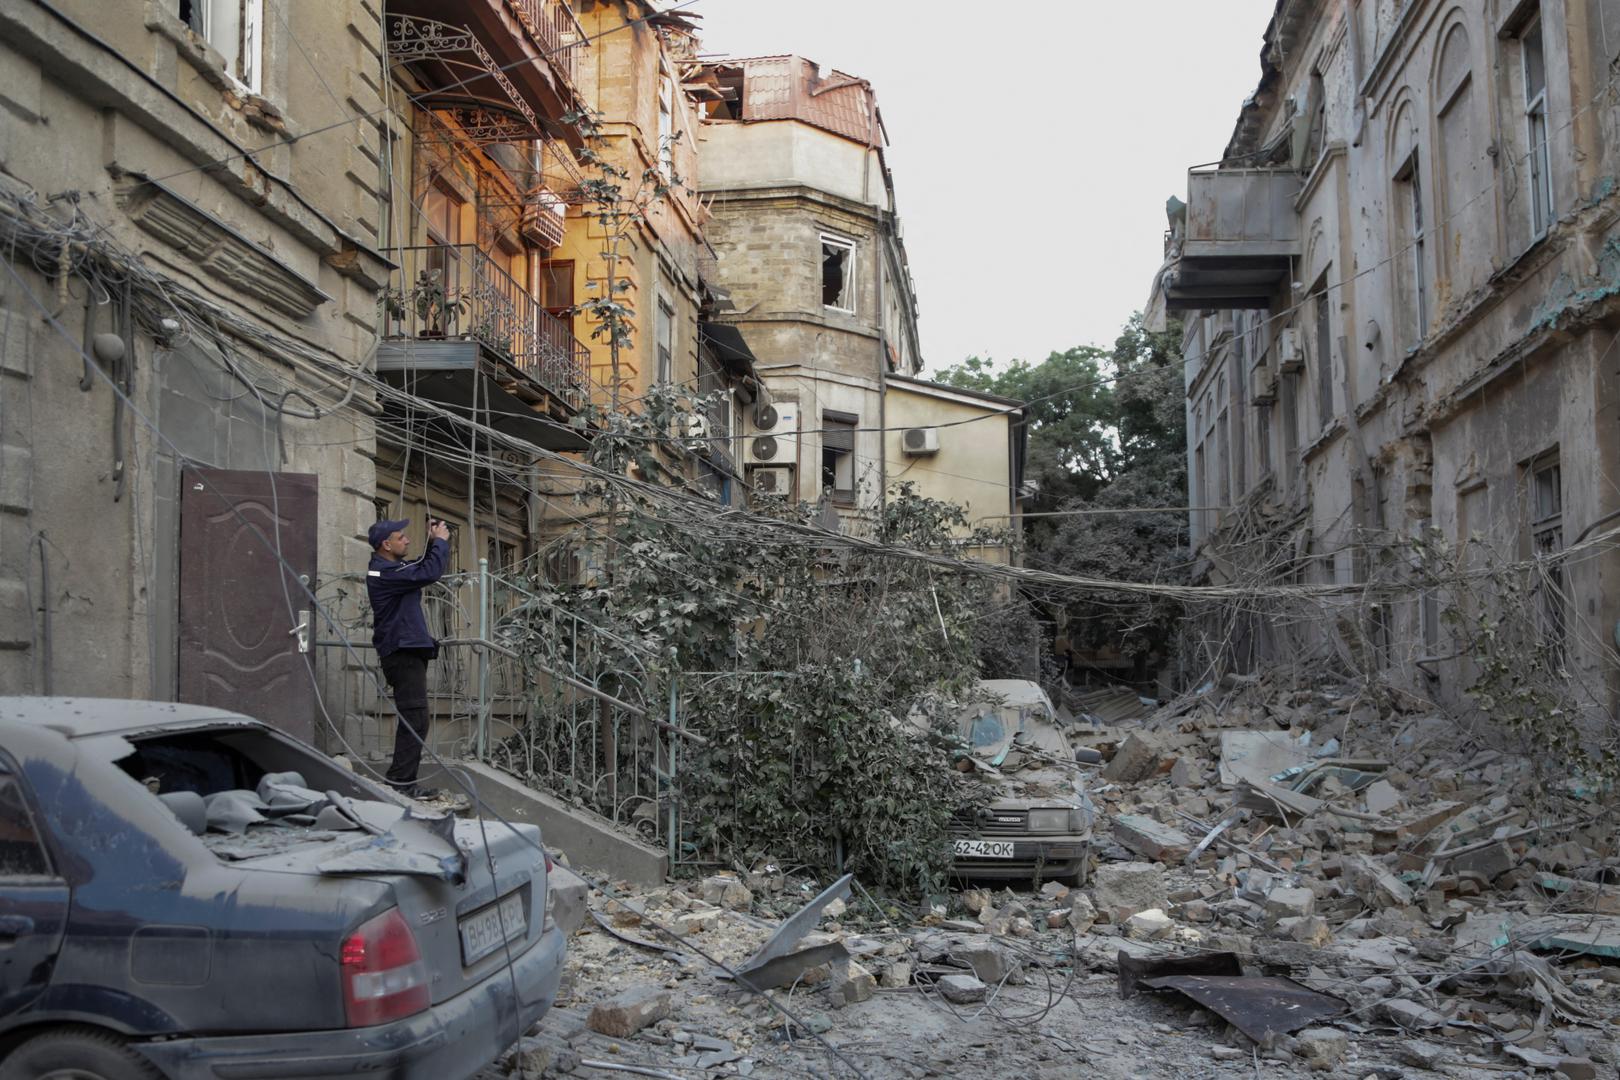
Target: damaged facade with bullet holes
1399 295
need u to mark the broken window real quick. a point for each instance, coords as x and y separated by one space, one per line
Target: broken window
1262 438
838 273
727 104
1535 120
1411 255
21 854
838 455
1546 544
234 29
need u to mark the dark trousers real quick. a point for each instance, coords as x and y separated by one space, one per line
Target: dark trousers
406 672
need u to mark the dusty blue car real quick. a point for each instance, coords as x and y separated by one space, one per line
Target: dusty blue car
185 893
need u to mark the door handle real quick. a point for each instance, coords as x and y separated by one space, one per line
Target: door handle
302 630
15 926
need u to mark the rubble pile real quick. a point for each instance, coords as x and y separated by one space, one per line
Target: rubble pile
1293 881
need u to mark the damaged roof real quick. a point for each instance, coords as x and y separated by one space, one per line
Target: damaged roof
794 88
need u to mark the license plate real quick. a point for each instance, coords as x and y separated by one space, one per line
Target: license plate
481 931
984 849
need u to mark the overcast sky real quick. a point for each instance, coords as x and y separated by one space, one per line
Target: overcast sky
1032 144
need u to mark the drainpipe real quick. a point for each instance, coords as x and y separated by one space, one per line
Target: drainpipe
883 390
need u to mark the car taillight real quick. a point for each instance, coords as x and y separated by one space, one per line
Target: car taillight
549 863
383 975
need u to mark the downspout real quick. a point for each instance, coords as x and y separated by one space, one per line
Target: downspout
883 386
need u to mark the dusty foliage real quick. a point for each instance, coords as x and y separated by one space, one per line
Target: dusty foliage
799 664
1508 632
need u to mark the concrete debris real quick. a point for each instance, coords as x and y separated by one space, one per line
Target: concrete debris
1120 890
960 989
1441 909
629 1012
850 983
1321 1048
1151 839
1136 759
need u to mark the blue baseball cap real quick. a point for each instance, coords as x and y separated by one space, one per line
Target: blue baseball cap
382 530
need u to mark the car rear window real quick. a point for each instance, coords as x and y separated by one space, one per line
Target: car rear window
21 854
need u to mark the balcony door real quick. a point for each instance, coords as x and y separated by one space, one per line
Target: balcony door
441 214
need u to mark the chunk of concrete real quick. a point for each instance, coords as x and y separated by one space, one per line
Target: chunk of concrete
1149 925
566 893
622 1016
1135 760
1310 929
725 891
1286 903
992 963
542 1054
1123 889
1082 912
897 976
1321 1048
1151 839
850 983
960 989
1489 863
1381 797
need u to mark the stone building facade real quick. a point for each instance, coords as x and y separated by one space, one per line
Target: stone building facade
810 249
1400 299
192 224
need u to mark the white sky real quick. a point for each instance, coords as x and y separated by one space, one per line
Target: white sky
1032 144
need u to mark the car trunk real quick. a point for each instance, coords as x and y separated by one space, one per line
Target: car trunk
465 919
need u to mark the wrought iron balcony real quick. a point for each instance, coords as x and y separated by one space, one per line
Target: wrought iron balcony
552 25
444 292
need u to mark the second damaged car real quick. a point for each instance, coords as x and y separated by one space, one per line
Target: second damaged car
185 893
1034 818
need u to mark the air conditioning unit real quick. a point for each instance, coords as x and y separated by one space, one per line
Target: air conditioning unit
1290 352
1263 388
919 441
774 480
776 443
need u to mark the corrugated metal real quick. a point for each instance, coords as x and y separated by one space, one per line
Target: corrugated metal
788 88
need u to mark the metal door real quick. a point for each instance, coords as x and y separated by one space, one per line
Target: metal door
246 622
33 902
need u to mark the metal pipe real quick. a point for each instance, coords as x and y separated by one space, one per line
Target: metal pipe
672 839
483 659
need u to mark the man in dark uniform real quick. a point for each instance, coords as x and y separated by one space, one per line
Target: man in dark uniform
400 633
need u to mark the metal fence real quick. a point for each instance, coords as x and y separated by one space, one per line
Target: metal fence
553 26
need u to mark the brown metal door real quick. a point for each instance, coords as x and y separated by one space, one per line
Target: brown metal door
239 608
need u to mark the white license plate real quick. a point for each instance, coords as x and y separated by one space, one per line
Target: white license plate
481 931
984 849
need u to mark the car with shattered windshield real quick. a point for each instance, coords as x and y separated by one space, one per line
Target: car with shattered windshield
1034 820
185 892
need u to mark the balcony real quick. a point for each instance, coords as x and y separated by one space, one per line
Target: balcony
460 329
527 51
1240 234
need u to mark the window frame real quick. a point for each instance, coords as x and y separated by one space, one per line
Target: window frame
1409 183
847 290
1545 536
832 420
664 341
1542 203
30 819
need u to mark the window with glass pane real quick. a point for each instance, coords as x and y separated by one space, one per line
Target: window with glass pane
21 854
1547 542
838 455
666 341
1535 119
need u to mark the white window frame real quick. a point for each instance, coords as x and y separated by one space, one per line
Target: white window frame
1537 136
848 291
1411 178
664 342
244 57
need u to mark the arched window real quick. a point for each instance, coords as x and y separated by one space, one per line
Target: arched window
1410 217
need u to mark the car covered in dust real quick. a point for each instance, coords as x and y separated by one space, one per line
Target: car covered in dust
185 892
1036 821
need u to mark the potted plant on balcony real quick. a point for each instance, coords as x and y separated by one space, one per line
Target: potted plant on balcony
435 308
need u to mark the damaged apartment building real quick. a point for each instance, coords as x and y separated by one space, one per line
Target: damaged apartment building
1400 290
811 254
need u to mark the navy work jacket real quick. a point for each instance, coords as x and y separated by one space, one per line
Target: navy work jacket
395 590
